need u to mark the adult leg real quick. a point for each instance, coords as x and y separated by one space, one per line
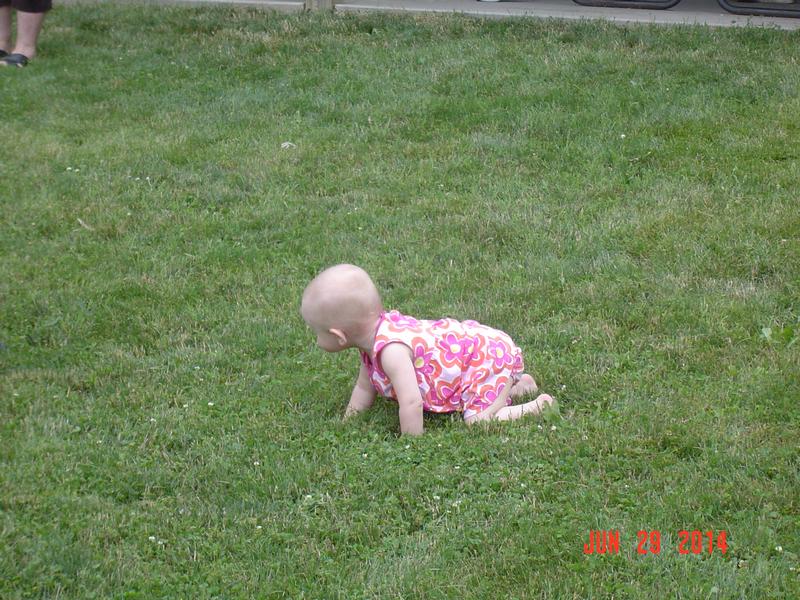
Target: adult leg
28 27
5 28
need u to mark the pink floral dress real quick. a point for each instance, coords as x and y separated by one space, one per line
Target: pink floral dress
461 366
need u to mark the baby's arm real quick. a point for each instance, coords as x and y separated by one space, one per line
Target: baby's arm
396 362
363 394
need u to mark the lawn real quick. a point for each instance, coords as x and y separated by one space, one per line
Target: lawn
622 200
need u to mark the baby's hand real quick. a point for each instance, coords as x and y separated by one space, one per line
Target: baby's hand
363 394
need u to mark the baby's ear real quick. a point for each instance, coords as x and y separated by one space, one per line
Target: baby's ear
339 335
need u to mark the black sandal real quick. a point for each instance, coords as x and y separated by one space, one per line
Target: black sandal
14 60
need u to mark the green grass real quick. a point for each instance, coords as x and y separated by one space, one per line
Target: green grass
623 201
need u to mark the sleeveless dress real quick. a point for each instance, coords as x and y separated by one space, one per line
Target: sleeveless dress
461 366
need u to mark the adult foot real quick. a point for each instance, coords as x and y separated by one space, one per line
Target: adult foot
14 60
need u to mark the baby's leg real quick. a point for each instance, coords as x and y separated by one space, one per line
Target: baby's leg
525 385
490 412
534 407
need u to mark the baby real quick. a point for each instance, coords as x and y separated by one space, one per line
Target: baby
440 366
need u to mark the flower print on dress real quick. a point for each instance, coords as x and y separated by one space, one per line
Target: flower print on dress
477 351
500 355
441 324
491 392
450 392
399 323
453 349
423 359
475 377
519 366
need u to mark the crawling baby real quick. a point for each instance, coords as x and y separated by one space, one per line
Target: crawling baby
438 366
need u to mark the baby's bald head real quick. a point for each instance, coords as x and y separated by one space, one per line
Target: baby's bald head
341 297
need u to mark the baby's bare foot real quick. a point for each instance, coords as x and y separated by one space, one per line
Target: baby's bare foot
543 403
525 385
538 406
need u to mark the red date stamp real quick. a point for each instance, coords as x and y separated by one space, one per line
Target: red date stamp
605 541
